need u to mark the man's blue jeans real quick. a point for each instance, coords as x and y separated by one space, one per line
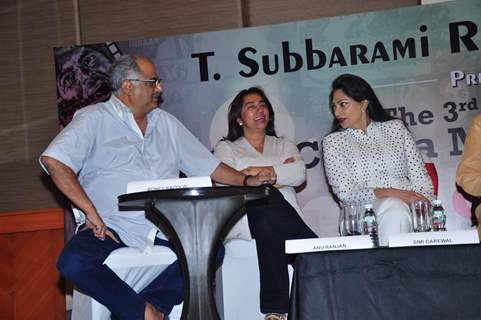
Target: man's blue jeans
81 261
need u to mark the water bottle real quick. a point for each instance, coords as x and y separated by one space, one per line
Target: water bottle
438 216
369 224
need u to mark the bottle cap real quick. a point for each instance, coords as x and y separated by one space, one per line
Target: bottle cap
437 202
368 206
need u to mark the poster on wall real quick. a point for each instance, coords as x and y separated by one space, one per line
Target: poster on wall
425 66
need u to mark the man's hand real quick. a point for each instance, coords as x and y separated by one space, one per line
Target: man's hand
264 176
268 172
95 223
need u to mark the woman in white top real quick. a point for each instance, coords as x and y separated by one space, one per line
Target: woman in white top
252 146
371 157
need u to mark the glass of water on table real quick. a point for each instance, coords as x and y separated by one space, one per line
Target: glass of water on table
350 220
421 215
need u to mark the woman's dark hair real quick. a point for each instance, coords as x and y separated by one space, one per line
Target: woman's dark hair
235 110
358 89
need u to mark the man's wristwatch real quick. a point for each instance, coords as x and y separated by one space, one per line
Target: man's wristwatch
246 178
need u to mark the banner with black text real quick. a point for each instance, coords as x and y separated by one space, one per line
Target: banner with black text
424 63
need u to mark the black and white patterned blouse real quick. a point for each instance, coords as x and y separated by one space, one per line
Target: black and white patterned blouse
386 157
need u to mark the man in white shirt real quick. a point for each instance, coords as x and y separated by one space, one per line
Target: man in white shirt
91 161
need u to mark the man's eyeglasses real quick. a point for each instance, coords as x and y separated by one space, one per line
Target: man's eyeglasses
151 82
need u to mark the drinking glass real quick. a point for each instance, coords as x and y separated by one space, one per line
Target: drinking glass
350 220
421 215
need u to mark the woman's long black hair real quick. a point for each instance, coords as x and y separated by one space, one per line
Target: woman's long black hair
235 110
358 89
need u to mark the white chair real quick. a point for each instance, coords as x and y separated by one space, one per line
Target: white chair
239 299
136 269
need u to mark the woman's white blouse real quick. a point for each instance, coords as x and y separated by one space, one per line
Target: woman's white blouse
385 157
240 154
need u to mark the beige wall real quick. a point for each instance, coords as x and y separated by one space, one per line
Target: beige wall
29 29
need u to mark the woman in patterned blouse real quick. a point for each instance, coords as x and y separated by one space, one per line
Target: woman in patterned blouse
371 157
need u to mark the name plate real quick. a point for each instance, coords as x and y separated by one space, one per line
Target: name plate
167 184
328 244
439 238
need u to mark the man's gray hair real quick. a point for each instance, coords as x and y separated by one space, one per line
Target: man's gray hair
124 67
